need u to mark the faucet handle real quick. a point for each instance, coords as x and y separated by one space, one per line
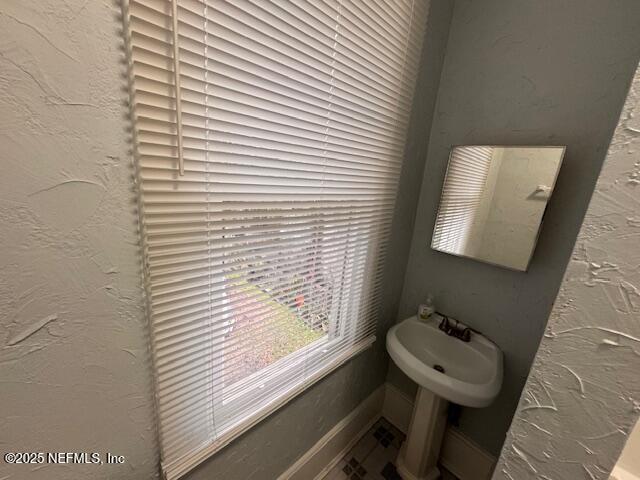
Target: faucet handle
444 325
465 335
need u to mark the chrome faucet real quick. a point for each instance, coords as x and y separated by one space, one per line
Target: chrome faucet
455 329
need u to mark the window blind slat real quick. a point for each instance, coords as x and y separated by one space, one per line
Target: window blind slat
146 69
180 279
220 299
261 97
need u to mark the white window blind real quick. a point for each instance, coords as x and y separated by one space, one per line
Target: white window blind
269 141
463 188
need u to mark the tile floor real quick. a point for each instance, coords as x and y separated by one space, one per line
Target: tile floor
374 456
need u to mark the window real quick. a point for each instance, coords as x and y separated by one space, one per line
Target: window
269 141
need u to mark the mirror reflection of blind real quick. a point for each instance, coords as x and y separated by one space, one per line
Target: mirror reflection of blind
263 259
463 188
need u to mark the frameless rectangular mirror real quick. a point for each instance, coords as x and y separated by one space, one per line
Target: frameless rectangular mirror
493 201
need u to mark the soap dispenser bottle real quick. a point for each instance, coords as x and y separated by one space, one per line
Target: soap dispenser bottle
426 309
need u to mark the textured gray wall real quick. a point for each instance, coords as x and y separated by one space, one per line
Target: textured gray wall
582 397
74 363
520 72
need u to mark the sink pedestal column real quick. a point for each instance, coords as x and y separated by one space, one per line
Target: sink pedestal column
418 458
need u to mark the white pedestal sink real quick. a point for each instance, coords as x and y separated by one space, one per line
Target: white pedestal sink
446 369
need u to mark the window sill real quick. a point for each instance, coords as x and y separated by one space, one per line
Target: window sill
183 465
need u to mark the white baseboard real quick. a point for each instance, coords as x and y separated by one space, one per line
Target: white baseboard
459 454
464 458
337 442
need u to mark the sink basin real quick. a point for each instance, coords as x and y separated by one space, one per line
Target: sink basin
470 373
446 369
